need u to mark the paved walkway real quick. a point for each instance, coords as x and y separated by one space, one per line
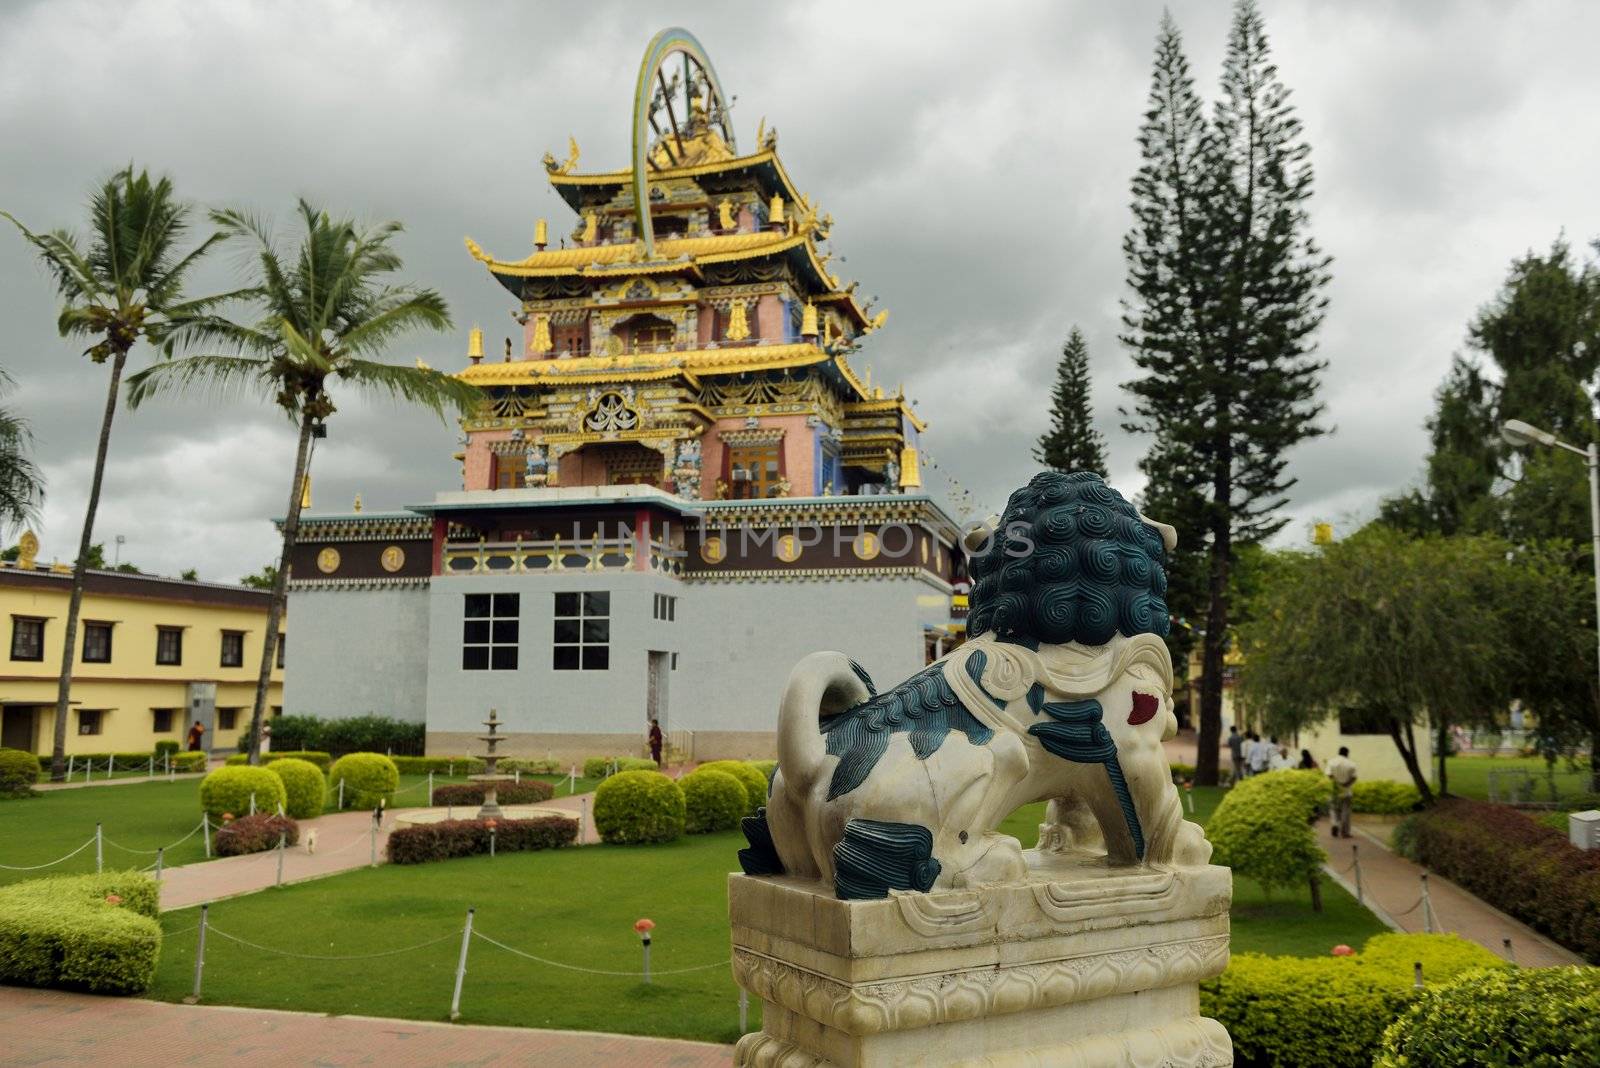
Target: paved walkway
53 1028
345 841
118 782
1392 888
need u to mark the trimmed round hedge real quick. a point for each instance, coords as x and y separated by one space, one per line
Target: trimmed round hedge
636 807
227 791
1545 1017
713 800
1330 1012
369 778
769 768
19 770
1262 829
305 790
1384 798
755 783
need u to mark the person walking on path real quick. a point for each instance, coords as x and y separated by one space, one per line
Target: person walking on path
196 732
1342 770
655 742
1236 752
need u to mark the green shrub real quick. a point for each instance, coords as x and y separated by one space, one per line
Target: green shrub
535 767
713 800
68 932
1384 798
369 778
1309 791
310 756
769 768
305 790
256 834
1262 830
1538 1017
441 765
1328 1012
755 783
528 792
350 734
228 791
19 770
634 807
1182 772
464 838
166 747
185 762
600 767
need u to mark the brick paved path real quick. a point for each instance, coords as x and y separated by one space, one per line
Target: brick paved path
53 1028
1392 885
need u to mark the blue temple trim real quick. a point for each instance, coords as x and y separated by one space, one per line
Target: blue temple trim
924 706
1074 731
875 857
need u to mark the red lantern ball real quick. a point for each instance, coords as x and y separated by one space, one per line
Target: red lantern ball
1343 950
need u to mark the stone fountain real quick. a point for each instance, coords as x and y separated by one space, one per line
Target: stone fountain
491 776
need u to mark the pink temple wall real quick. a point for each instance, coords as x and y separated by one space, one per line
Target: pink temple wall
479 465
799 453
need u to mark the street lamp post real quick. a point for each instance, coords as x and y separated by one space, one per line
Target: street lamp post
1518 433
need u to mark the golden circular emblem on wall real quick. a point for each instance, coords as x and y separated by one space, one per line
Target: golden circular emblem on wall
865 545
711 550
788 548
328 560
393 558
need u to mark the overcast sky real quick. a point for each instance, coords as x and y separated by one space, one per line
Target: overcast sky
976 158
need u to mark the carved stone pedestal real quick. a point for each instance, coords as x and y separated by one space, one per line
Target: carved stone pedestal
1077 965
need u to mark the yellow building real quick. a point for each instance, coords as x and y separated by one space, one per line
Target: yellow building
154 655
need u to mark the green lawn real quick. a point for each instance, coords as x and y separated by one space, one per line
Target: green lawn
138 816
542 903
1469 776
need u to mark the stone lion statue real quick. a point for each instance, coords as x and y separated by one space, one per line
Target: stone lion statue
1063 694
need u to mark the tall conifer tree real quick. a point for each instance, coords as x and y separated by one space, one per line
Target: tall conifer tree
1072 443
1227 295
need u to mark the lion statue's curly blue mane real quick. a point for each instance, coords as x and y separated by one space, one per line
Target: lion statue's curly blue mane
1070 561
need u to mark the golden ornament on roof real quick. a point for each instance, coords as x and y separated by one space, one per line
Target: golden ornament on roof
541 234
910 472
775 209
475 344
27 549
541 342
808 321
591 227
725 214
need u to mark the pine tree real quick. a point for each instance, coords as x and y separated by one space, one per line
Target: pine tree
1072 443
1227 288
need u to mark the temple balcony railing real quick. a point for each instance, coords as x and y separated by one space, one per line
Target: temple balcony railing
559 556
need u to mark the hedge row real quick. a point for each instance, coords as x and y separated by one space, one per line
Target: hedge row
600 767
310 756
507 793
1329 1012
1516 864
1533 1017
1383 798
256 834
81 932
355 734
471 765
464 838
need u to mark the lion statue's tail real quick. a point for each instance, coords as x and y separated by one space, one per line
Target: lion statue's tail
821 685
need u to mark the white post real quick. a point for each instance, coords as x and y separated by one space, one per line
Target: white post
646 937
491 841
452 772
281 813
111 762
152 766
430 788
1416 974
1188 797
281 837
99 849
341 795
518 773
572 780
1355 859
1427 912
160 857
166 763
583 818
373 841
252 802
199 957
205 831
71 760
1510 955
461 967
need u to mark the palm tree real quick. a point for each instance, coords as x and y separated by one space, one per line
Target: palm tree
127 285
325 314
21 484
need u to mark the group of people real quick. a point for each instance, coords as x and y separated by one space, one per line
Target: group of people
1252 756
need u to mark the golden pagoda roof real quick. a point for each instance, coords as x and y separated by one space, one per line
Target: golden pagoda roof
671 253
645 365
767 157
